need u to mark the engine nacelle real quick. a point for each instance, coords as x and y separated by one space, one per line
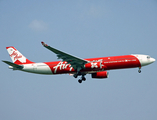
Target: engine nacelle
102 74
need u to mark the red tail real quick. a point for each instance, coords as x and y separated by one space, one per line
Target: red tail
17 57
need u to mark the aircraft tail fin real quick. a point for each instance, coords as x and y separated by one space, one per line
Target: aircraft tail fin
17 57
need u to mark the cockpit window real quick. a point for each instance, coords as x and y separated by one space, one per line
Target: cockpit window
148 57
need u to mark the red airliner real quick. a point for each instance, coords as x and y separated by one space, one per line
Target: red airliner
76 66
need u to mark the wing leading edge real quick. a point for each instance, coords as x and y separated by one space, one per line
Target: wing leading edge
76 63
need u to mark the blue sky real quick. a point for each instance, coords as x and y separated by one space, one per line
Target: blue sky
85 29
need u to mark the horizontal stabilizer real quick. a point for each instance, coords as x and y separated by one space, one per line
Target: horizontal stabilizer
13 65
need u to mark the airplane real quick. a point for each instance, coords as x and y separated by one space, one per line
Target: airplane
75 66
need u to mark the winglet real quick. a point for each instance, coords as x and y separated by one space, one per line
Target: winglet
44 44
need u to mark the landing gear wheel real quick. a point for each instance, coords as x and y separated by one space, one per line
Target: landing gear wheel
80 81
139 71
83 78
75 75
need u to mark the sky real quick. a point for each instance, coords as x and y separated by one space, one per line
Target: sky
87 29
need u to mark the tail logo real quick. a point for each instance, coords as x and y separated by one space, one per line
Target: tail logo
16 56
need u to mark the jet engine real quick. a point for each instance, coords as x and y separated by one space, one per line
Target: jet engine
102 74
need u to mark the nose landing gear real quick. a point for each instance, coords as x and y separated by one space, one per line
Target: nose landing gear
139 70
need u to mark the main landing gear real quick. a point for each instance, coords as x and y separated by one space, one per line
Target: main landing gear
82 78
78 74
139 70
80 81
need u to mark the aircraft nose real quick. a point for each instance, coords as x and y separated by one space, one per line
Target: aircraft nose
153 60
146 60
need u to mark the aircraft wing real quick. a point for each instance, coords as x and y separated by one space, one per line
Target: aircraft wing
76 63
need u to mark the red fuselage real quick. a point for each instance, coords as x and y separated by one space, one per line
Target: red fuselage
97 64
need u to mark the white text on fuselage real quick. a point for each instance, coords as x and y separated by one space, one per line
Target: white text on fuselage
62 66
